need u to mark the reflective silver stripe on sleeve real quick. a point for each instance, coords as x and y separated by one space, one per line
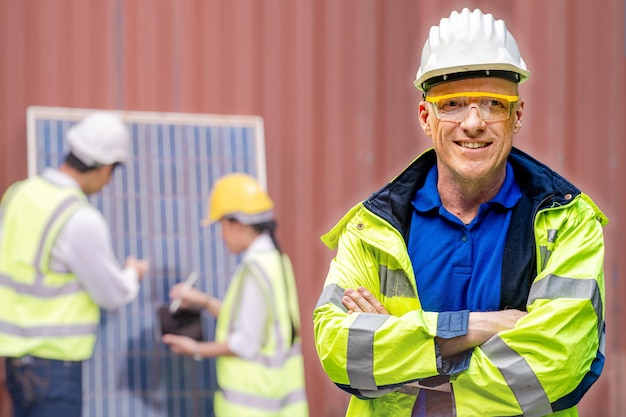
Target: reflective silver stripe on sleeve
519 376
264 403
394 283
545 252
332 294
602 345
409 390
380 392
360 364
553 286
52 330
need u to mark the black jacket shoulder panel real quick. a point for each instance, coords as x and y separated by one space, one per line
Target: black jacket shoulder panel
393 201
540 187
539 182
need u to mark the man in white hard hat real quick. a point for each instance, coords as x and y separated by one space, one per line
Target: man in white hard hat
57 269
472 284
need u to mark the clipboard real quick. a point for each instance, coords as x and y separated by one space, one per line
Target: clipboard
183 322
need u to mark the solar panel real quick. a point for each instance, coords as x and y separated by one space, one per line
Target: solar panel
153 206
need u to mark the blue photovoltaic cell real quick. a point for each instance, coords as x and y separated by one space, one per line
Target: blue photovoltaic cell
154 205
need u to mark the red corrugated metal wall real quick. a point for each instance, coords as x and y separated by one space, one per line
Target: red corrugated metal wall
333 82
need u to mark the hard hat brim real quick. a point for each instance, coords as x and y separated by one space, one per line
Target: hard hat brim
243 218
424 83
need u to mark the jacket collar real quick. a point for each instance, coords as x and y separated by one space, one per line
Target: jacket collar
536 180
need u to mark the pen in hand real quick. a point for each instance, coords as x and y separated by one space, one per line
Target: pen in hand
189 282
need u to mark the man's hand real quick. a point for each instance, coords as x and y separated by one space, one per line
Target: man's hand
482 326
140 265
362 301
487 324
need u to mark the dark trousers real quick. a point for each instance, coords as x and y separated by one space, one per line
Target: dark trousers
44 387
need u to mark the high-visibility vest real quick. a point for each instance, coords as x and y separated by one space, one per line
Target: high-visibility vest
272 383
43 313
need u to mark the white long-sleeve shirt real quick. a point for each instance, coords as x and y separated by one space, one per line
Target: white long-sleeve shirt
248 331
84 248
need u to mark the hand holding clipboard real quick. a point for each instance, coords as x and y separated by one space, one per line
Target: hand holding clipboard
189 282
181 321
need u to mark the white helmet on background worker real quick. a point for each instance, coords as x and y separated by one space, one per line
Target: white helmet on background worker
466 45
239 196
101 138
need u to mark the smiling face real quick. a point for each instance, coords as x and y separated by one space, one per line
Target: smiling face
472 150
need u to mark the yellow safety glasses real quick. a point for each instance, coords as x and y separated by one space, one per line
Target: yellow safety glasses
492 107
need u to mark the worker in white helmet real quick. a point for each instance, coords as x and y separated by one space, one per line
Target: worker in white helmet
57 269
471 284
259 365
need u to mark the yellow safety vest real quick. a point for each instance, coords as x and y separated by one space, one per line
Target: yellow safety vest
272 383
43 313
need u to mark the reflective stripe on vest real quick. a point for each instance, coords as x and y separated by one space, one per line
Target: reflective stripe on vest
48 330
270 404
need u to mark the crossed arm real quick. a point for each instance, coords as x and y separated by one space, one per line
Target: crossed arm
481 327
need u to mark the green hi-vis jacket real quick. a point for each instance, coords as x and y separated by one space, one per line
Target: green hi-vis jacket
552 268
271 384
42 313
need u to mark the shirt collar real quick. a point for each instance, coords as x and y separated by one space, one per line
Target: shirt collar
57 177
509 194
262 243
427 198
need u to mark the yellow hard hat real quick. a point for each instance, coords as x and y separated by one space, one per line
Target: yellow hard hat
241 197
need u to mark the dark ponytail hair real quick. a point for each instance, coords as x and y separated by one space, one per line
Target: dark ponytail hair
270 227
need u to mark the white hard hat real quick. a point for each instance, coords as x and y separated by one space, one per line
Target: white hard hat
469 44
101 138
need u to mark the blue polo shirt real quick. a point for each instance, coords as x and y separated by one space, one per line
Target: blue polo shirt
458 266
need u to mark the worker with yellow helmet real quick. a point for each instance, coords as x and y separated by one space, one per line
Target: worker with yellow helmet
472 284
260 369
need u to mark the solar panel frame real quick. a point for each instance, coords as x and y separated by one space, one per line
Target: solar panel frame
154 205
